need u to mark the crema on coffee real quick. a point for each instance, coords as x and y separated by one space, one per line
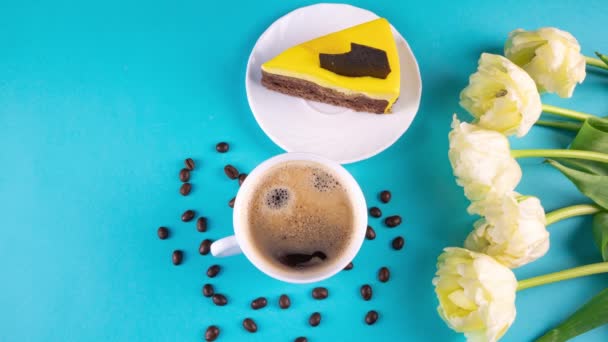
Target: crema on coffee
300 216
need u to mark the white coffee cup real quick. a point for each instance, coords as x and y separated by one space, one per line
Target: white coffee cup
241 243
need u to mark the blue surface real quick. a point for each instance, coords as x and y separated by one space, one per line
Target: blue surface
100 103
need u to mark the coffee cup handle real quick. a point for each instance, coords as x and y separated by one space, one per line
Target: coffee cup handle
225 247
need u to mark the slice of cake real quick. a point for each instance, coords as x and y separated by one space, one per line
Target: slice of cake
357 68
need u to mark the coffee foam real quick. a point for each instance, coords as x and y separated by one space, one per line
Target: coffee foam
277 198
300 208
323 181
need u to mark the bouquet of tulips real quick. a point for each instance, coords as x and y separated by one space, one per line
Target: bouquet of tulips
475 285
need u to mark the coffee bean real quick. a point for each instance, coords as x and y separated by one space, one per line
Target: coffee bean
320 293
212 271
349 266
231 171
219 299
384 274
250 325
163 233
201 224
177 257
301 339
208 290
375 212
385 196
188 215
189 164
184 175
222 147
393 221
259 303
315 319
370 233
212 333
371 317
242 177
398 243
185 189
205 247
366 292
284 302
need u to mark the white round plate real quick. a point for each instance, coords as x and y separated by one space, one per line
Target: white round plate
337 133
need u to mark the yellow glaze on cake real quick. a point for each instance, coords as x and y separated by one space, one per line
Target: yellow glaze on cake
302 61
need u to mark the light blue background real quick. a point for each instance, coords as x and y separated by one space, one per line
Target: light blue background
101 102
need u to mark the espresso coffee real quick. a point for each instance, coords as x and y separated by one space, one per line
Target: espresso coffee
300 216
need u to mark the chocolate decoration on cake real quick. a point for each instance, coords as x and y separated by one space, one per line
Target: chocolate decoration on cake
361 60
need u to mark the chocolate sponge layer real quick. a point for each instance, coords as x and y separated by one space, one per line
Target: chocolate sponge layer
311 91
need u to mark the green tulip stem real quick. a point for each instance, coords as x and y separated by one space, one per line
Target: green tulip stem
581 271
556 153
596 62
566 113
571 211
569 126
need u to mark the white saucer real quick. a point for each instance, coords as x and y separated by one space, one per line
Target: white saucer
337 133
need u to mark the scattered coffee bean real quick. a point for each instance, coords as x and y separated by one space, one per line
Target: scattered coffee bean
250 325
231 202
242 177
385 196
258 303
188 215
371 317
284 302
189 164
208 290
177 257
201 224
384 274
349 266
375 212
185 189
393 221
370 233
320 293
398 243
212 271
205 247
301 339
366 292
314 319
184 175
163 233
231 171
212 333
219 299
222 147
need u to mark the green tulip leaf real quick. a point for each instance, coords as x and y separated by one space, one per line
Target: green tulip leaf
593 136
602 57
585 166
588 317
591 185
600 233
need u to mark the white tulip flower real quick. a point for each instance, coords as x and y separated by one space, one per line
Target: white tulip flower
514 233
551 56
502 96
482 163
476 294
